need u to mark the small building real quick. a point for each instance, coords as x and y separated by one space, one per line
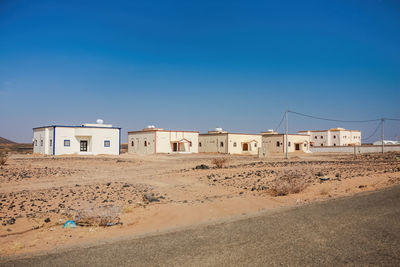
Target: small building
153 140
273 142
86 139
219 141
386 142
334 137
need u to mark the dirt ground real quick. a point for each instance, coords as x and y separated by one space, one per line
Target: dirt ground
111 197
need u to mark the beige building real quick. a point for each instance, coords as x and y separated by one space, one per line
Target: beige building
220 141
334 137
153 140
273 142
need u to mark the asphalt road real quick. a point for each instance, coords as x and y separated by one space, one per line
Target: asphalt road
360 230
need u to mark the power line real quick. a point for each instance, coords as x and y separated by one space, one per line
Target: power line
279 125
326 119
377 128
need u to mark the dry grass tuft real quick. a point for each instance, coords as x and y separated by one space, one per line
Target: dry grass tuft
104 216
286 187
3 158
219 162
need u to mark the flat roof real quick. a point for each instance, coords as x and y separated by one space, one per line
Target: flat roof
156 130
78 126
333 130
228 133
272 135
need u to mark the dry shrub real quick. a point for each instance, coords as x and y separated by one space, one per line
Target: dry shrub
3 158
286 187
104 216
219 162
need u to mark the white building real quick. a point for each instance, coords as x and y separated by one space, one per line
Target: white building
220 141
87 139
386 142
334 137
153 140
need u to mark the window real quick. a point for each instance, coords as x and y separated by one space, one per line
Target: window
107 143
288 143
278 144
67 143
334 137
145 143
305 145
334 144
35 142
132 143
322 137
51 142
199 144
234 144
255 144
222 144
41 142
190 144
316 137
322 144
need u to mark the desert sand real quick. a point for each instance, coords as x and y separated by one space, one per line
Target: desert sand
135 195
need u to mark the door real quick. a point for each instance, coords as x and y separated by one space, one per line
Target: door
297 146
175 147
84 146
245 147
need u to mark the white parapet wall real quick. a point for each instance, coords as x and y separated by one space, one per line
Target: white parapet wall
354 149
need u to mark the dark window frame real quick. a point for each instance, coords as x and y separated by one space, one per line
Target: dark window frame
107 143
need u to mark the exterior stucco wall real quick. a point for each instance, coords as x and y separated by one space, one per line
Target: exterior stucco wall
354 149
161 141
253 142
213 143
139 146
189 141
269 142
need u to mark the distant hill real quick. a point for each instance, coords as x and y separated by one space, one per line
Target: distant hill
6 141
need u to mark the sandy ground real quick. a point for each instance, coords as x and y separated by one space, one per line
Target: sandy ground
147 194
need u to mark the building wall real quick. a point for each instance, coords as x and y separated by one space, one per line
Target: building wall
269 142
213 143
165 139
253 141
160 141
229 143
354 149
139 146
94 136
43 141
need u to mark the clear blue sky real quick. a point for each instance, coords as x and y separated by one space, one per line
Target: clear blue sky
195 65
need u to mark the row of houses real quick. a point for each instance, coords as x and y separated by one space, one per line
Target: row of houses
100 138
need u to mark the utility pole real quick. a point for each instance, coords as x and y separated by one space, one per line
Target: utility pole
286 134
383 134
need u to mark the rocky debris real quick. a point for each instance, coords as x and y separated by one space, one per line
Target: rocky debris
21 172
202 167
64 200
150 197
258 177
47 220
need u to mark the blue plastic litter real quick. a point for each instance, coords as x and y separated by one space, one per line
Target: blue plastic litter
69 224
